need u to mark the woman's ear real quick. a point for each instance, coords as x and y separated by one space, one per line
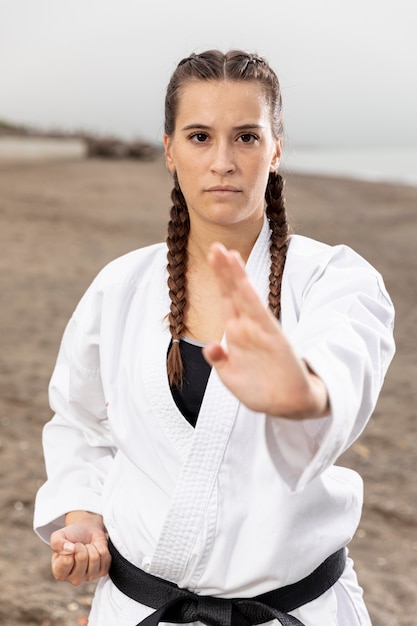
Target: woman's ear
169 161
276 157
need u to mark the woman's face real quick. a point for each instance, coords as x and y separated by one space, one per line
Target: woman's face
222 150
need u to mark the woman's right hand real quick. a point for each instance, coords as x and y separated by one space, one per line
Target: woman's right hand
80 550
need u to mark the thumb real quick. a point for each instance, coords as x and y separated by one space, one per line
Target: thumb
60 543
214 354
68 548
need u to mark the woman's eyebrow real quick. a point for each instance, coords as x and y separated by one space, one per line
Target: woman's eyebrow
191 126
249 126
240 127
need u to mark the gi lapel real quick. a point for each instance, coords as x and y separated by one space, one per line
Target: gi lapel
190 505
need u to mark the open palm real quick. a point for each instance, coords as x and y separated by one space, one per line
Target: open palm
258 364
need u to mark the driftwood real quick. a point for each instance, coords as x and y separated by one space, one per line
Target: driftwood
112 148
102 147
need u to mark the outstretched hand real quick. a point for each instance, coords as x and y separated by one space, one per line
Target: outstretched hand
79 550
258 364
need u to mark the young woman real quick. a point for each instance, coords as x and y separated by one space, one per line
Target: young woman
200 403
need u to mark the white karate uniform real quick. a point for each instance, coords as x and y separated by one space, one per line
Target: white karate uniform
245 502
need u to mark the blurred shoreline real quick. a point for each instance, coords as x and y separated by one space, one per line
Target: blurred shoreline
40 148
23 143
383 165
390 165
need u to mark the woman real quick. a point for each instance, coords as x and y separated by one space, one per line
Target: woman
245 500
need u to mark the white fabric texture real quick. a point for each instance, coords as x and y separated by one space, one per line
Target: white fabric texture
245 502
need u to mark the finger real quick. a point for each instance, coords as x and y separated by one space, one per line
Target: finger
105 557
230 272
218 259
214 354
93 564
232 280
228 267
236 288
98 564
62 566
78 574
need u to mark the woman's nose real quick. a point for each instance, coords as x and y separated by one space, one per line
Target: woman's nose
223 159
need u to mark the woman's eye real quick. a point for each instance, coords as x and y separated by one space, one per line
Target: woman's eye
199 137
248 138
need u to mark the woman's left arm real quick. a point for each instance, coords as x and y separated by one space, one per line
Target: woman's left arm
259 365
319 382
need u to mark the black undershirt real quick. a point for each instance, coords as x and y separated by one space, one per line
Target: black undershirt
196 374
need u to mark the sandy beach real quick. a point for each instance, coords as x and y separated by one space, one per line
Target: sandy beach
60 222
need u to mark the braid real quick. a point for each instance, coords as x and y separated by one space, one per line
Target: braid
277 217
178 229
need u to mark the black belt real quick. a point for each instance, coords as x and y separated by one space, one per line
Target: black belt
181 606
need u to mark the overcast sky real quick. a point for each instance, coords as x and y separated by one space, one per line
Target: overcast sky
347 68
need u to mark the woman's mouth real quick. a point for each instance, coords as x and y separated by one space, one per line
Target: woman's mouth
223 191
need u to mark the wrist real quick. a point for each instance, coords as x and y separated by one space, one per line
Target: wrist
84 518
320 398
307 399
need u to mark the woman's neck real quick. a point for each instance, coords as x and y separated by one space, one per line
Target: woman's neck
241 238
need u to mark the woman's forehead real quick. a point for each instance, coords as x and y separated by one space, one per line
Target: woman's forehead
211 100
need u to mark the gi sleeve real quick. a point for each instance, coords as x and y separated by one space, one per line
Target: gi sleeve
344 332
77 442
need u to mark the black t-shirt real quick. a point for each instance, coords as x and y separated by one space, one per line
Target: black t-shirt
196 374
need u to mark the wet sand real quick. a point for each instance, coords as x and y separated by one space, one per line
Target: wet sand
60 222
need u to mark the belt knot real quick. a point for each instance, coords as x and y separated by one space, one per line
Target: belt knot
212 611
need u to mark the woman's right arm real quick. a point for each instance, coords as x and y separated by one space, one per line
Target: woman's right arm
78 444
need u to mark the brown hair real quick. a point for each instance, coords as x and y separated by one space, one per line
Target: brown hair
214 65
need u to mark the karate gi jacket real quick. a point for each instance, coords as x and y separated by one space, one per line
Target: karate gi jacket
245 502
